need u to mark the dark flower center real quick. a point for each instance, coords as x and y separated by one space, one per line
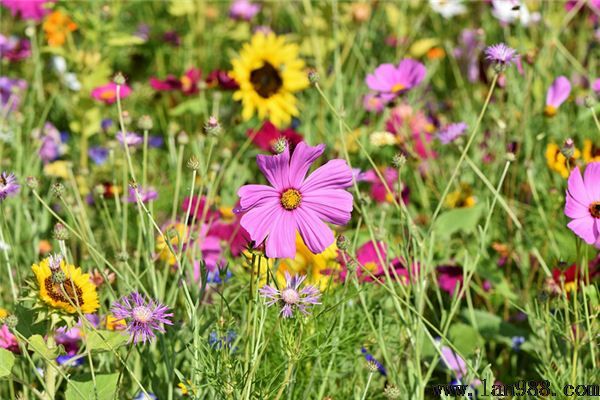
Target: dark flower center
595 209
2 180
266 80
290 199
69 293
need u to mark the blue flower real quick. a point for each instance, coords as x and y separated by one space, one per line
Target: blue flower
369 357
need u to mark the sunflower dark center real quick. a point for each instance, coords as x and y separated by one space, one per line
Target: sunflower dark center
595 209
69 293
266 80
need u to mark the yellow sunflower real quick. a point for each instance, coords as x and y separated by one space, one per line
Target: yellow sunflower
75 290
591 152
269 71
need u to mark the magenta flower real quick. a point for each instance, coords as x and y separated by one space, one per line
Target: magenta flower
379 192
291 298
187 84
596 86
13 48
221 78
294 203
450 278
374 262
146 195
451 132
144 316
558 92
374 103
501 55
8 341
268 135
583 203
8 185
108 93
243 10
34 10
391 81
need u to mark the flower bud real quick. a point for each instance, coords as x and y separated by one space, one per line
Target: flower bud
57 189
12 321
193 163
568 148
145 123
59 276
313 77
119 79
372 367
399 160
342 242
60 232
32 182
212 126
589 101
391 392
280 145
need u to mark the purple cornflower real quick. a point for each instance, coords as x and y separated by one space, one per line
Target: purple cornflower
290 298
98 154
370 359
146 195
243 10
10 90
501 55
144 316
8 185
451 132
132 139
13 48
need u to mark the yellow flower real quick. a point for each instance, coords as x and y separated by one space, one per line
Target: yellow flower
114 324
75 291
319 268
461 198
591 153
57 26
557 162
174 232
269 72
3 314
58 169
184 388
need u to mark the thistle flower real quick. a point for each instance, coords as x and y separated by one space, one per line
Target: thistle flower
8 185
290 298
144 316
296 203
132 139
557 93
243 10
501 55
583 203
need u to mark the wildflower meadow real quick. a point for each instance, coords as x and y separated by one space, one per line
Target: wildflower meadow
329 200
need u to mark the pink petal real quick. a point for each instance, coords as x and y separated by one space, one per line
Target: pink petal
315 233
558 92
256 195
591 180
281 242
302 158
331 205
410 72
576 188
585 228
259 220
382 79
276 169
335 174
574 209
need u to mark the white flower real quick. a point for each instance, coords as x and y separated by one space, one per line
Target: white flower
448 8
380 139
510 11
4 246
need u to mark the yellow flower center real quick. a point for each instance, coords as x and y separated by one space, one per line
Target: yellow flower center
550 111
290 199
186 83
67 292
108 94
595 209
398 87
266 80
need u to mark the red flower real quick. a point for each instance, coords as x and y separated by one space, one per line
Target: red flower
268 134
187 84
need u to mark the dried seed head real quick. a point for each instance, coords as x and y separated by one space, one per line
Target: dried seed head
119 79
145 123
32 182
193 163
60 232
57 189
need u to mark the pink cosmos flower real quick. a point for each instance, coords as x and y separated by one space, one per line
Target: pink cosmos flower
558 92
243 10
268 134
221 78
378 191
583 203
235 236
596 86
8 341
414 129
34 10
108 93
373 258
296 203
374 103
187 84
450 278
391 81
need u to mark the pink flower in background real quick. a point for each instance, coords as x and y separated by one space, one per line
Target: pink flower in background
268 134
414 130
373 260
8 341
390 81
451 132
583 203
200 209
453 362
187 84
450 278
108 93
378 190
243 10
232 232
374 103
557 93
596 86
13 48
221 78
296 203
34 10
146 195
131 139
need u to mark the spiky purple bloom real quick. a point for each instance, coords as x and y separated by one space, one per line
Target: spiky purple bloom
243 10
500 54
451 132
146 195
144 316
132 139
291 297
8 185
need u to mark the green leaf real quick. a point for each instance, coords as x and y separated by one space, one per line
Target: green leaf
121 41
458 220
465 338
7 360
38 345
27 326
98 341
491 326
82 387
193 106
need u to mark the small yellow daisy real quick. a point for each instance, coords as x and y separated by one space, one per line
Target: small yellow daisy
76 290
557 162
269 71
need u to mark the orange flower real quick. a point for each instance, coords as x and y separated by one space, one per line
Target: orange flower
57 26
